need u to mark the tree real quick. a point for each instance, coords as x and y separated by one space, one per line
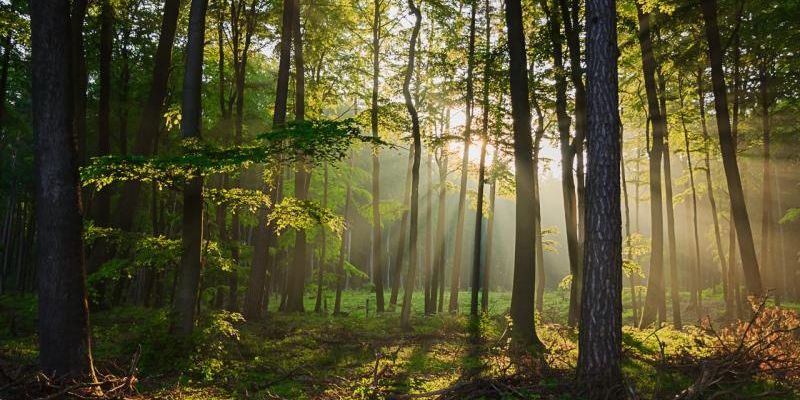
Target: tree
727 148
600 335
655 302
191 113
455 274
405 313
523 289
377 247
64 335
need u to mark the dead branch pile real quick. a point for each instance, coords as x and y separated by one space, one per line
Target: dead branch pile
117 384
765 347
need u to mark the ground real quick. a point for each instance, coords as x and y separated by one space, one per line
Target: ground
360 355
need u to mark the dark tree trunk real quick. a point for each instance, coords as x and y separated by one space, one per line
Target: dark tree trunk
4 76
192 232
79 76
102 209
655 302
63 331
522 301
322 262
302 176
567 154
405 313
600 336
430 295
487 267
728 150
377 241
455 275
150 119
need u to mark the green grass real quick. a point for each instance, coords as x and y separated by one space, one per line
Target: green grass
359 355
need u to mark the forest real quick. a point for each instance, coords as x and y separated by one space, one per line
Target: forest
399 199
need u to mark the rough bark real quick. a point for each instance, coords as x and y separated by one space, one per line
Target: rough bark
600 336
63 315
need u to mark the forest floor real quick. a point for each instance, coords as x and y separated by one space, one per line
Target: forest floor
364 355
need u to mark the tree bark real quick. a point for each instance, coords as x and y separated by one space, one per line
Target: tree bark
738 205
63 316
192 233
401 240
522 302
79 76
102 209
600 336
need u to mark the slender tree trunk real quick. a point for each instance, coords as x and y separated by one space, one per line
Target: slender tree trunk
629 254
79 76
322 262
102 208
728 150
600 336
302 175
430 295
673 253
4 76
487 268
694 280
766 199
538 135
377 248
63 316
455 275
567 157
337 307
571 20
441 220
401 240
655 302
151 115
405 313
522 302
729 300
192 233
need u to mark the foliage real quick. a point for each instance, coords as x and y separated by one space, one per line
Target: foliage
304 215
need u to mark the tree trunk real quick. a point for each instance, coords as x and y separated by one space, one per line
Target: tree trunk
102 209
192 233
430 293
337 307
150 119
694 275
401 240
567 156
455 274
728 150
600 336
377 248
322 262
729 266
302 176
673 253
441 213
79 77
655 302
405 313
487 267
522 307
766 199
63 316
4 76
